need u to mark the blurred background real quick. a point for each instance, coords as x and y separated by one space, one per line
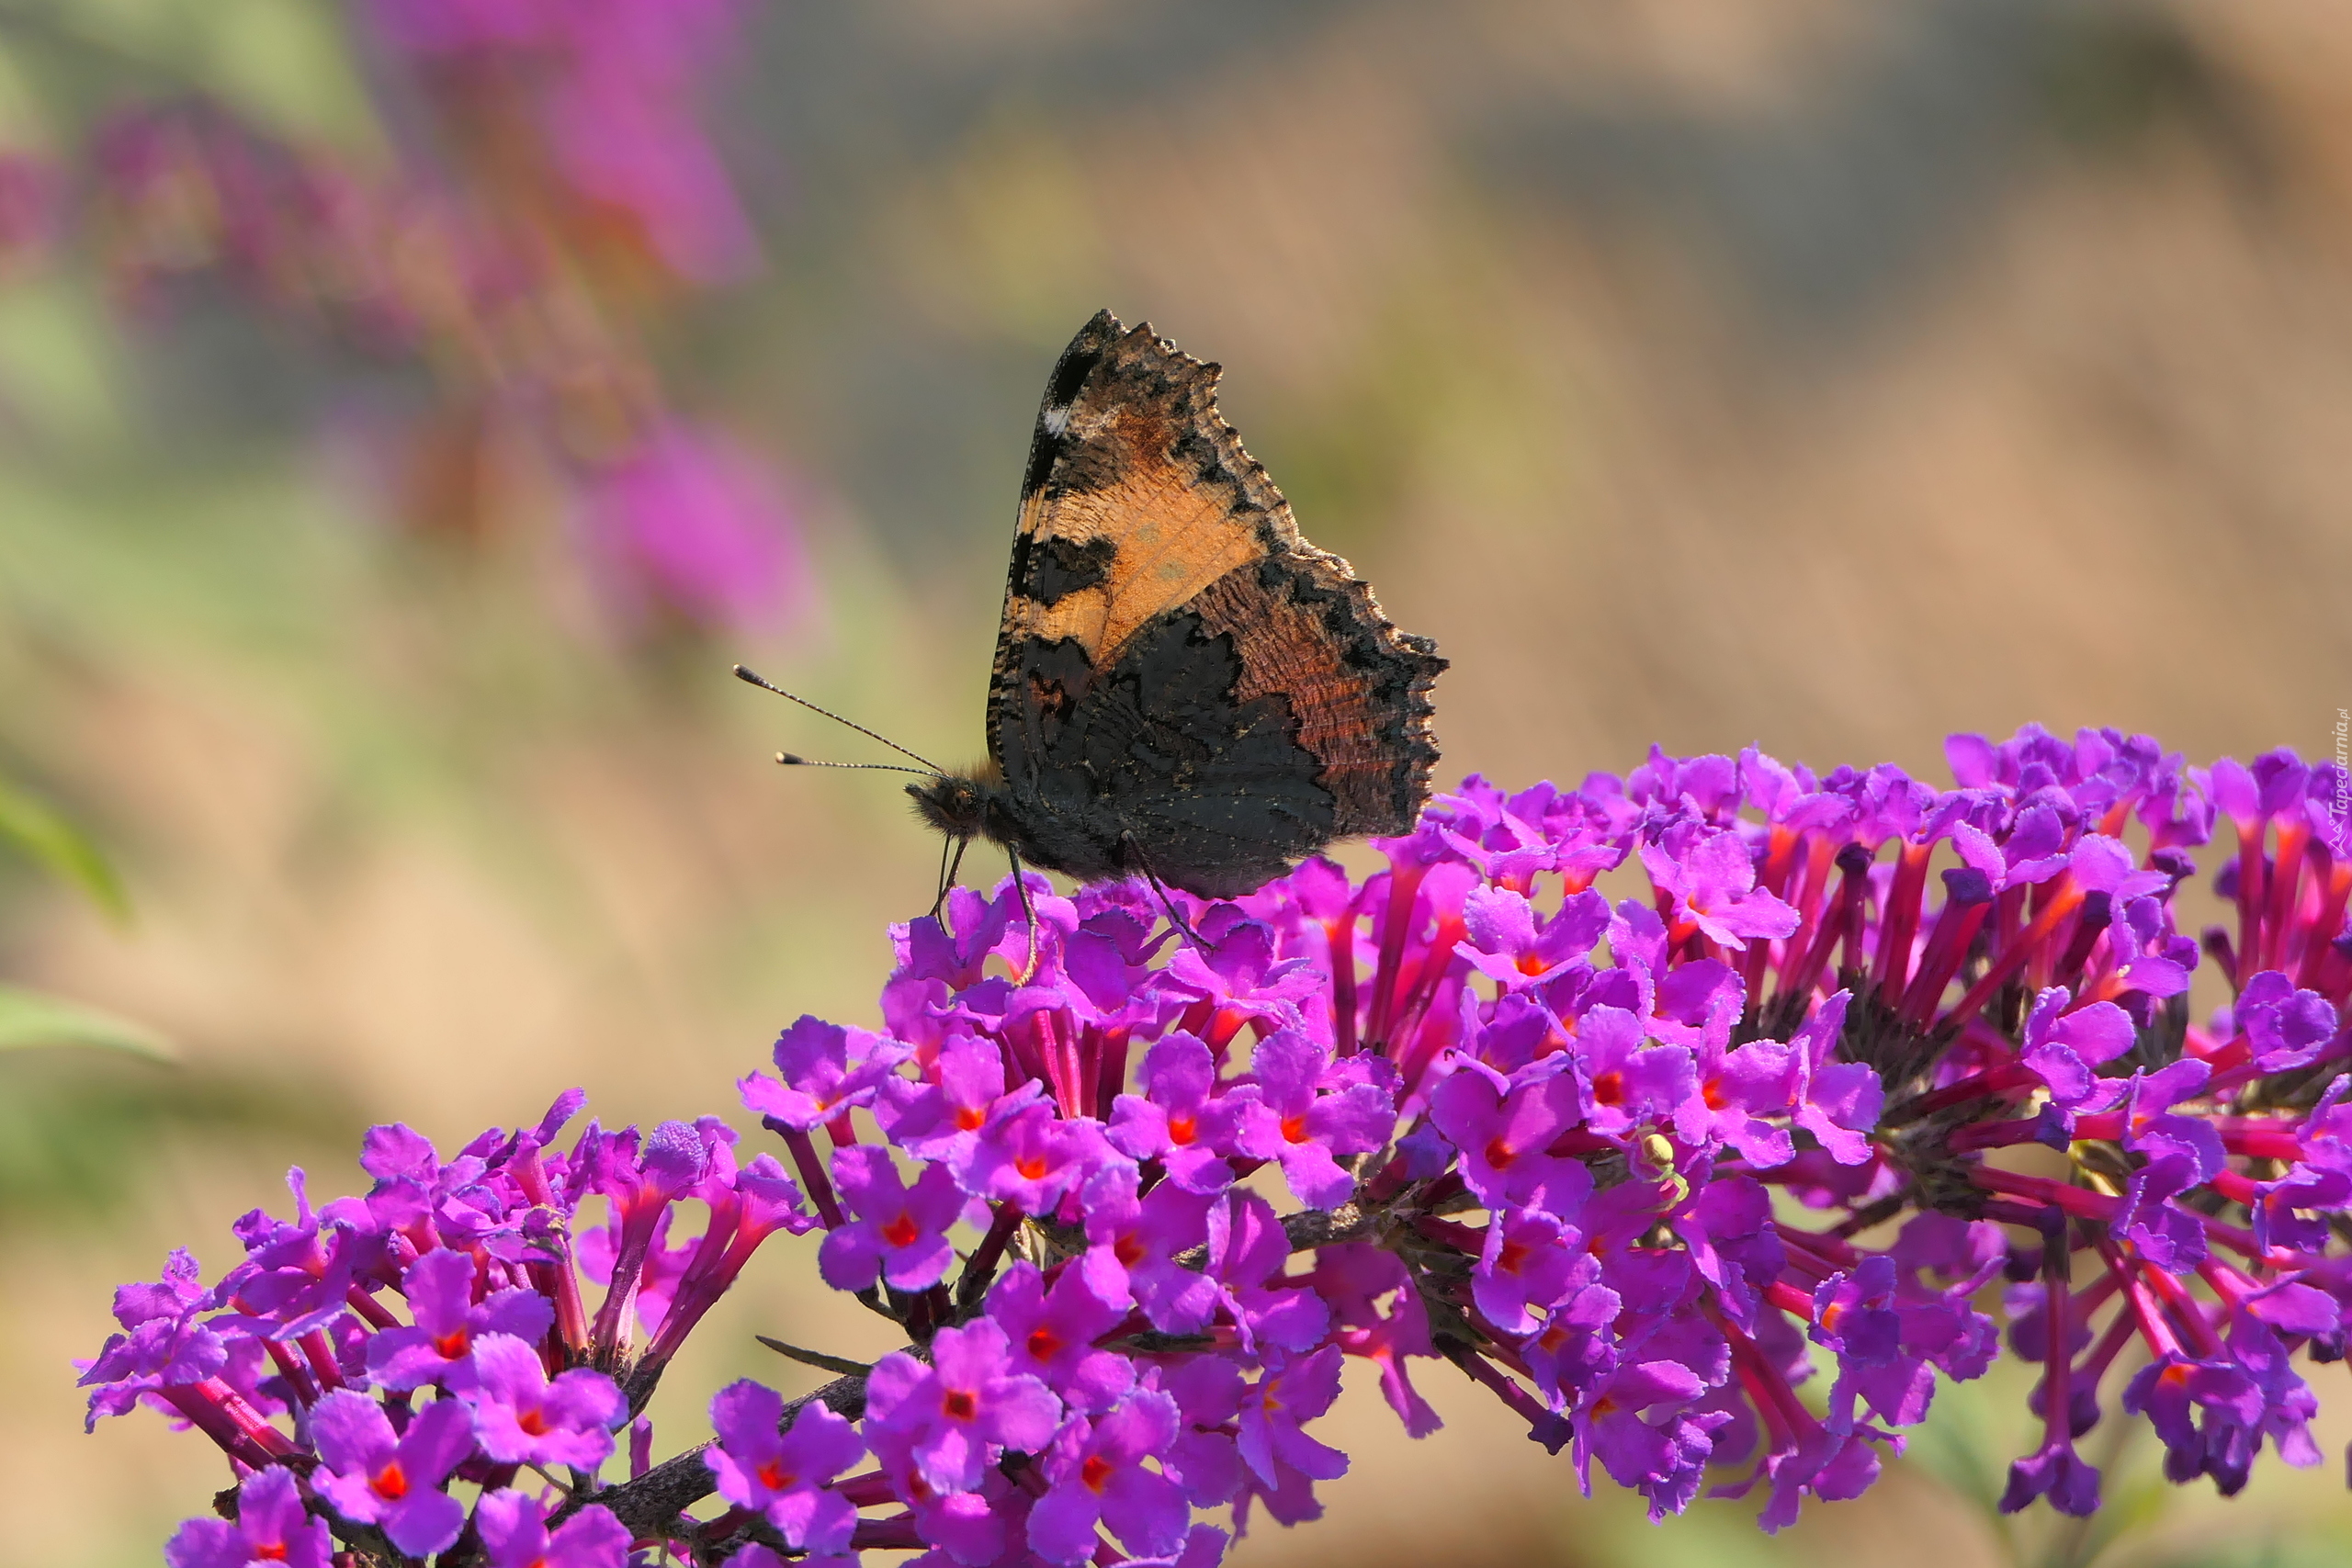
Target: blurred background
409 409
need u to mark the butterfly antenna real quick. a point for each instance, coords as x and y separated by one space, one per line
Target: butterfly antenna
793 759
765 685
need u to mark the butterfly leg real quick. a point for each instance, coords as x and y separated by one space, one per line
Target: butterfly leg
1175 916
947 871
1021 887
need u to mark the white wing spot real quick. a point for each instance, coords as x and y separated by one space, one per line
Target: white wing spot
1056 420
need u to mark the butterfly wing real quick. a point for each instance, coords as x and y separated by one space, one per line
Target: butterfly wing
1182 683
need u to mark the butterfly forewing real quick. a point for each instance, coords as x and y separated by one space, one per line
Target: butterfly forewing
1184 684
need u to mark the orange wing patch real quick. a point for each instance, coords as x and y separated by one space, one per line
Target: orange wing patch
1170 537
1134 473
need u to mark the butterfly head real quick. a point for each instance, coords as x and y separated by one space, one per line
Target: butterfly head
963 806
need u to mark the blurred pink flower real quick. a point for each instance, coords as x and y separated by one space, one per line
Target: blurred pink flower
29 199
613 86
690 523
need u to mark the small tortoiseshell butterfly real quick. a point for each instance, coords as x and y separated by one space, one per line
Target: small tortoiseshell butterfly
1184 688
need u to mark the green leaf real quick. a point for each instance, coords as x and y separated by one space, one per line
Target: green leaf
32 1018
44 833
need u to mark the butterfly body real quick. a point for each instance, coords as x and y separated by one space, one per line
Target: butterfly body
1184 687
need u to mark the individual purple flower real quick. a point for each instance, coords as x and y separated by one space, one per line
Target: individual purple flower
1203 1459
2063 1047
1294 1122
371 1475
271 1528
1273 1440
942 1119
2057 1471
823 1070
1615 1425
1237 979
1179 1118
1512 946
2285 1027
523 1417
301 1271
2202 1409
1052 1333
2178 1152
1504 1128
514 1534
1712 881
785 1475
1249 1253
1096 1477
1576 1346
900 1232
1527 1269
959 1412
165 1343
1030 1156
1132 1244
1838 1102
1351 1279
1857 1318
1627 1081
439 1287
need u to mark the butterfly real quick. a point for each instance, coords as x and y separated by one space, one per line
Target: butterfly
1184 688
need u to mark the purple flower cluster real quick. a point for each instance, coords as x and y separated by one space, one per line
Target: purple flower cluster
553 192
1642 1103
367 1354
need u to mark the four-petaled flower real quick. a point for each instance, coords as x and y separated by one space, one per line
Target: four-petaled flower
959 1412
373 1475
523 1417
901 1231
1097 1477
785 1475
271 1526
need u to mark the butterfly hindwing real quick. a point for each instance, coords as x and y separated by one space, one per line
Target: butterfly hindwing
1184 684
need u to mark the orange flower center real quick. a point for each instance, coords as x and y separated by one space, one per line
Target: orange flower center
961 1405
1181 1129
1095 1473
969 1117
390 1483
1295 1129
1609 1089
1499 1154
1045 1344
902 1231
775 1478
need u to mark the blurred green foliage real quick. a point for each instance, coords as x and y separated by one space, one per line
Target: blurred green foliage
83 1134
44 833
